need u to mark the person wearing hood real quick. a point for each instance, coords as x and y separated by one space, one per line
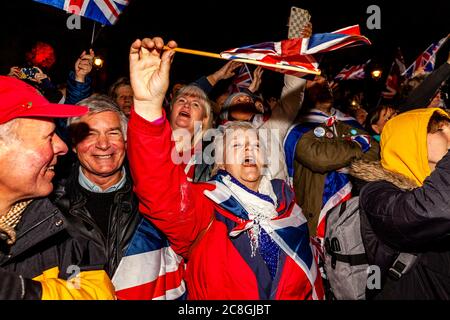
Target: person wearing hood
405 206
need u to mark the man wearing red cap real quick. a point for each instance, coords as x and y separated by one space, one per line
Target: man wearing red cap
43 254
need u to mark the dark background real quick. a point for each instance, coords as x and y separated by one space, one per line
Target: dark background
219 25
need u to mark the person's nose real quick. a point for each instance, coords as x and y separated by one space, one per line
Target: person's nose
59 147
102 142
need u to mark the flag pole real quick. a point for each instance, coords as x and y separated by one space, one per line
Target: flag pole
380 98
94 36
255 62
93 33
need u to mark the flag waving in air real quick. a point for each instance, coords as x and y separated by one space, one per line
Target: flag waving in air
425 62
352 72
394 78
104 11
298 52
242 80
324 42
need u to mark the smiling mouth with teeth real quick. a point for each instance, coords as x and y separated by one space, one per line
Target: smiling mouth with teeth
103 156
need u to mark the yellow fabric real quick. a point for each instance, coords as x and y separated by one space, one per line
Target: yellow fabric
404 144
88 285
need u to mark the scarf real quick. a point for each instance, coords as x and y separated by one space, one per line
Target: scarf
10 220
269 213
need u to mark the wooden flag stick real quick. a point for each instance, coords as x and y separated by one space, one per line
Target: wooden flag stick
197 52
249 61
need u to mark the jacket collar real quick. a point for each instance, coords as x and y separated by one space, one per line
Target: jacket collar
90 186
373 171
40 221
77 194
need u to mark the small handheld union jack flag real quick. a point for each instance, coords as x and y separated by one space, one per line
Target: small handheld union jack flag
425 61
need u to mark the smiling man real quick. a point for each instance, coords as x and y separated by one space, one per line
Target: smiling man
99 189
42 254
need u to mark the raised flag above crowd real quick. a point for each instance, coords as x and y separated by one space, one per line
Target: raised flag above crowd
425 61
104 11
298 52
352 72
394 79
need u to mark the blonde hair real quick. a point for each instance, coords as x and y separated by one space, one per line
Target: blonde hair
195 91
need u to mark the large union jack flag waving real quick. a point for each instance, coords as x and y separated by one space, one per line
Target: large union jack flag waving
104 11
298 53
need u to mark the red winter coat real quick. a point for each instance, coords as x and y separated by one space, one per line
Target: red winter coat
217 266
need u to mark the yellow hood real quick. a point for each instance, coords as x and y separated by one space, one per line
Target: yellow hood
404 144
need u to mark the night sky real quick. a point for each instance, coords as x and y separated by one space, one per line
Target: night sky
215 26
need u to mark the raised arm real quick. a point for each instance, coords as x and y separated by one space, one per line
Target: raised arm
166 197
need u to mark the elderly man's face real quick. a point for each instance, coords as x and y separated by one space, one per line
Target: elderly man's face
102 151
27 161
243 157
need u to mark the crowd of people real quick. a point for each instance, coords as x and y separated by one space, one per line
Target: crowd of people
238 188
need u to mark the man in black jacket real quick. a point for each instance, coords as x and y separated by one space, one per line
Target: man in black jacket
99 189
42 253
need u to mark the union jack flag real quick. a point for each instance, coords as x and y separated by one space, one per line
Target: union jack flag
352 72
150 269
104 11
242 80
298 52
289 230
337 188
394 78
425 62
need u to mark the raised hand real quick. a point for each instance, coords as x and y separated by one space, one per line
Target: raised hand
14 72
83 65
257 79
149 75
39 76
226 72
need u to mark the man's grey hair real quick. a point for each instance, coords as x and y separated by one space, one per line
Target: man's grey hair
195 91
98 103
7 130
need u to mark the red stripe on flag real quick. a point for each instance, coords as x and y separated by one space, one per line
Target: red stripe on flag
78 3
154 289
111 7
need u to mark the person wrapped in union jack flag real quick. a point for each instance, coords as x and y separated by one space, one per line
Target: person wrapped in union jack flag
318 148
241 234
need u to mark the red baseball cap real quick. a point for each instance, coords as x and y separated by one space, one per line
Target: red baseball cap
20 100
